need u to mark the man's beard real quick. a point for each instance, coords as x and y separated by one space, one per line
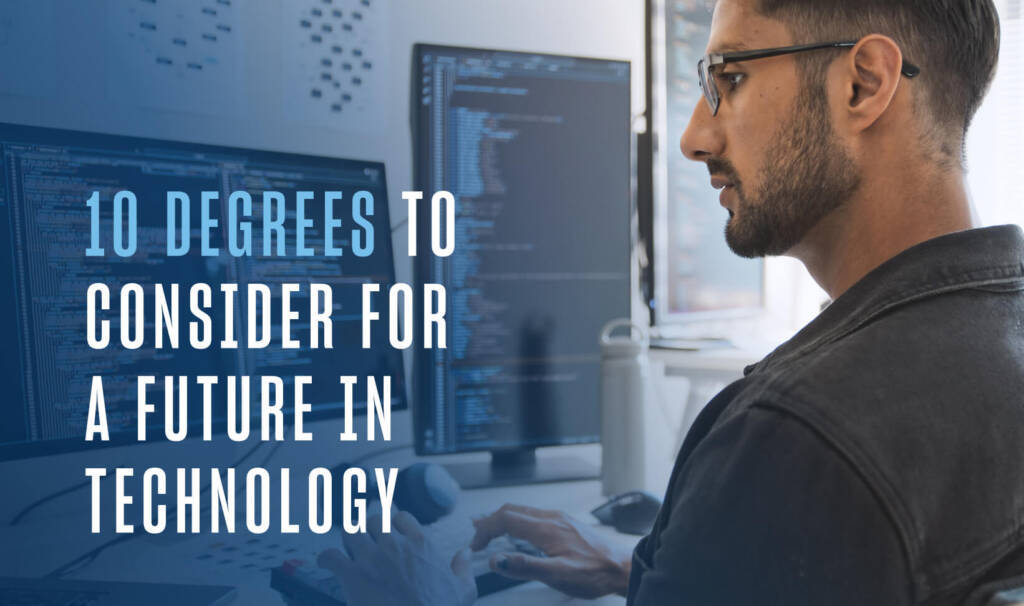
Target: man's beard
806 175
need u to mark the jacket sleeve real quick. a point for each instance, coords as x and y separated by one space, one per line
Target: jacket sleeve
767 512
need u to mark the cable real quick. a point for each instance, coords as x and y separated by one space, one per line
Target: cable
89 557
18 517
270 455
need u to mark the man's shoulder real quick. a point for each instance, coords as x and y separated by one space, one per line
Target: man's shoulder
937 368
763 506
927 404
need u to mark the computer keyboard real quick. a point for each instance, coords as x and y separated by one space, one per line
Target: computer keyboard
303 582
290 560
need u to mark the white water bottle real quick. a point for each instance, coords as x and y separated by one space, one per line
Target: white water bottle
624 375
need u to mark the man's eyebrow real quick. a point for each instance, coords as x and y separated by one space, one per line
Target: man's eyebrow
730 47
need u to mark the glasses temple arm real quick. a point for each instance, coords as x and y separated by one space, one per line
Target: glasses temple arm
908 69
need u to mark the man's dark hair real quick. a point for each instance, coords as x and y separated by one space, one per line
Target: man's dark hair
954 42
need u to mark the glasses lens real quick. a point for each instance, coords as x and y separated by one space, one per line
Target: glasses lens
707 85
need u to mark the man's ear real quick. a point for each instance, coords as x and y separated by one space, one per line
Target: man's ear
873 71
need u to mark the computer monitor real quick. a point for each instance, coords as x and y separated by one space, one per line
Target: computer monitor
48 176
536 149
700 286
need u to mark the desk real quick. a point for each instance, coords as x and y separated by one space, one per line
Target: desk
175 558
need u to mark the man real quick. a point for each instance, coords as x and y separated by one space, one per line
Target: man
878 456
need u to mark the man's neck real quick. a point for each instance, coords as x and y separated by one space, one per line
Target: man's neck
886 217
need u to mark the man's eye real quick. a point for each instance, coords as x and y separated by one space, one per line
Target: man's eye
731 79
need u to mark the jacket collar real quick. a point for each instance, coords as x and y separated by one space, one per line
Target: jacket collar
957 261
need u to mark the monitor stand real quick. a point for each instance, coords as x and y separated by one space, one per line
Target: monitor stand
516 467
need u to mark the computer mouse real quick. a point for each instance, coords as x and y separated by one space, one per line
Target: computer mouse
630 512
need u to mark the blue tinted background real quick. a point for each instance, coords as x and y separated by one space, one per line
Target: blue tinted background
95 67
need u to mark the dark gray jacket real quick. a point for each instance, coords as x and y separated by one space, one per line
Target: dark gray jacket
875 458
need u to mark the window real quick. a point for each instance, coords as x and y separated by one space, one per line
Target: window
995 144
995 161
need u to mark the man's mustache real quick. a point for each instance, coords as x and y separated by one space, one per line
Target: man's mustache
724 168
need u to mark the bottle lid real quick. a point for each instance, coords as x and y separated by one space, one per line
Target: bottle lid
631 344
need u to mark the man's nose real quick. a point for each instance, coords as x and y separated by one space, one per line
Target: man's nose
702 137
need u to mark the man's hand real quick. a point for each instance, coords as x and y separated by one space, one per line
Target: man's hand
401 567
580 563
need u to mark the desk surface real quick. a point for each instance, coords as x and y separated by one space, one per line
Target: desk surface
173 558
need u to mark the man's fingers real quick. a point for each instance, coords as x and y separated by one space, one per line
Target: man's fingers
521 521
373 526
485 529
531 511
511 522
530 568
359 546
462 565
406 524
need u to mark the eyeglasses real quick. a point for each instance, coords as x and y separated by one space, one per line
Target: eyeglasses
710 88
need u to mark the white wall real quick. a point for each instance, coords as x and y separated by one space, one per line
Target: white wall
75 91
